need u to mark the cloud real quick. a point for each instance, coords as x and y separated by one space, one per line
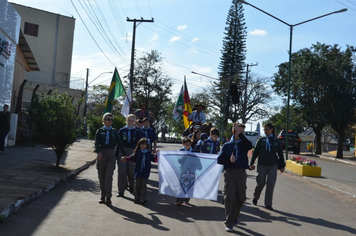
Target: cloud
258 32
154 38
193 51
182 27
194 40
175 38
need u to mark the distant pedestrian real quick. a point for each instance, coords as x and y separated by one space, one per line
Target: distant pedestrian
106 138
130 136
233 156
270 158
164 131
142 159
5 117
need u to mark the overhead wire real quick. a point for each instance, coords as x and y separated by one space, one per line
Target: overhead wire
109 29
117 16
90 33
96 22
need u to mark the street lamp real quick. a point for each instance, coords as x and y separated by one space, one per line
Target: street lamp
98 77
86 93
290 55
221 116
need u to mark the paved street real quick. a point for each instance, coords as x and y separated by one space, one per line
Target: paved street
301 208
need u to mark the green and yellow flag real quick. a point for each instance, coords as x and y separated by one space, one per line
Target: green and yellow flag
116 90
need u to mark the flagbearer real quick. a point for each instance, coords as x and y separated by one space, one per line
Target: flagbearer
105 140
198 116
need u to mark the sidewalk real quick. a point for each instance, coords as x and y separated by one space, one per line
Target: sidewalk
28 172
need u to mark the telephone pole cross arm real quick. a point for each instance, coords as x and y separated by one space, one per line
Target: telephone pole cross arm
133 46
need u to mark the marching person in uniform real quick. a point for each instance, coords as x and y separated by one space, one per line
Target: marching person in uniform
130 136
106 138
233 156
270 158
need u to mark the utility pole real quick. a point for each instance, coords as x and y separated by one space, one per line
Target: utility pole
85 104
133 46
244 104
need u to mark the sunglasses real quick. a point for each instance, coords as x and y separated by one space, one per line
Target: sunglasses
109 119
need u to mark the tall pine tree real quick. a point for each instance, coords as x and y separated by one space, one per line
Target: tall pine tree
233 57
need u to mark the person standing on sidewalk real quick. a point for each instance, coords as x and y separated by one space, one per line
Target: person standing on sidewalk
233 156
270 159
5 117
106 138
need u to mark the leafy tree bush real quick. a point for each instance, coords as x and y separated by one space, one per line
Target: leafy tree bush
56 123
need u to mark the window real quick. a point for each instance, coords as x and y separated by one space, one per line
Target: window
31 29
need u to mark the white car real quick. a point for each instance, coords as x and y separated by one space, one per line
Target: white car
253 136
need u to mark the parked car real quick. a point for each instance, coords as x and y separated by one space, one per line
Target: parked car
293 141
253 136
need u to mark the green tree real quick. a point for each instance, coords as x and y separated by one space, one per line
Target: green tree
56 123
341 93
96 101
233 56
97 97
297 123
152 87
322 84
258 99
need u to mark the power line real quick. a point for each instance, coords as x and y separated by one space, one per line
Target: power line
90 33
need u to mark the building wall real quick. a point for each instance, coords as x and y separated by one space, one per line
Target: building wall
44 89
9 36
52 47
21 67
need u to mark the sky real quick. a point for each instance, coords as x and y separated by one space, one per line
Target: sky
189 34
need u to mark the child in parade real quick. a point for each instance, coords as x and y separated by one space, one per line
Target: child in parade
187 148
211 145
142 158
150 134
129 136
105 140
195 139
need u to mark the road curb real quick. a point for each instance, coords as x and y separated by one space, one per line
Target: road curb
327 185
337 189
20 202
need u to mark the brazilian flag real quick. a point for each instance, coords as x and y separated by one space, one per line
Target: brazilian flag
116 90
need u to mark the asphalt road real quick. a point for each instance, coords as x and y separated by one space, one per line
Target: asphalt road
301 208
